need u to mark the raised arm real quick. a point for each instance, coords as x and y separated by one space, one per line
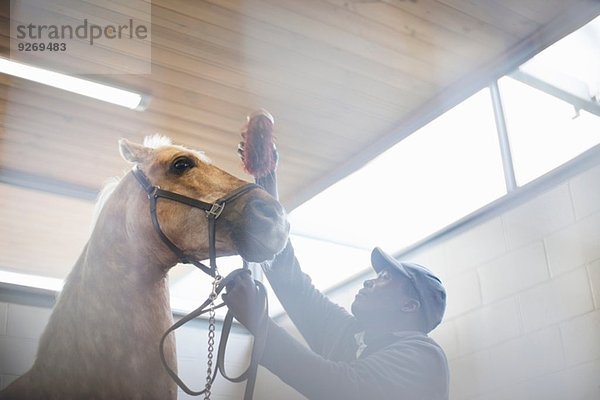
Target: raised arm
311 311
308 308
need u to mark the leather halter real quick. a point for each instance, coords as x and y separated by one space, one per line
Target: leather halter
213 211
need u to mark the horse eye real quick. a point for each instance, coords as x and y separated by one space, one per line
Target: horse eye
182 164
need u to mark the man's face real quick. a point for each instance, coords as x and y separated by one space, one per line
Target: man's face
384 296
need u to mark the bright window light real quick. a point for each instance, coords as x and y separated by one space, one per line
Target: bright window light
576 56
98 91
545 130
444 171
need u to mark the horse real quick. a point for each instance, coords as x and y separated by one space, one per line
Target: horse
102 338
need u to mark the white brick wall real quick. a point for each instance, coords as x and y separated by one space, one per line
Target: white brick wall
468 285
21 327
3 316
192 357
488 325
594 273
523 317
536 333
556 300
506 276
20 331
581 338
527 356
577 383
586 193
534 220
26 322
471 374
16 355
478 245
575 245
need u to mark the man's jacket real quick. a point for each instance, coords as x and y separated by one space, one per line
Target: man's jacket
401 366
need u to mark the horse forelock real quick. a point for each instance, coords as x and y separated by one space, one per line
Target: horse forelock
157 141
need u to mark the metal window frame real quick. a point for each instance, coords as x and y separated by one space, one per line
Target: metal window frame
516 195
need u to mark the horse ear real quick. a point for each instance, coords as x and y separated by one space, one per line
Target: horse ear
133 152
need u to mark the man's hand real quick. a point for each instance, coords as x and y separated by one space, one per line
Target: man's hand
243 301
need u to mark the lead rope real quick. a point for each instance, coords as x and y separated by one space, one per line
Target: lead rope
211 336
261 164
209 306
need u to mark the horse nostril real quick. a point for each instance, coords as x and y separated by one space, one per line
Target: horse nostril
262 209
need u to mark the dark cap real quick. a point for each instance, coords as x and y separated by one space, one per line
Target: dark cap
432 294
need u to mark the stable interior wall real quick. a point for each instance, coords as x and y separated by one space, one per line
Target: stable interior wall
523 312
21 326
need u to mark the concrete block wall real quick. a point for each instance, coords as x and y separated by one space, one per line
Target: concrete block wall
523 313
523 317
192 356
21 327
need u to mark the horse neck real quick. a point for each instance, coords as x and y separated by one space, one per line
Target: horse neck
124 236
124 257
102 338
118 286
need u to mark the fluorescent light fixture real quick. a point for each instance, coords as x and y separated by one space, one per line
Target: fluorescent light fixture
98 91
36 281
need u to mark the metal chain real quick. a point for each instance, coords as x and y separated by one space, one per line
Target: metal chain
211 338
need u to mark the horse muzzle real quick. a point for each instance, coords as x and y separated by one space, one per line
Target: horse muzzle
264 231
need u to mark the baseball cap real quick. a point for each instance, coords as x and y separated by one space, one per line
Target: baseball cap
432 294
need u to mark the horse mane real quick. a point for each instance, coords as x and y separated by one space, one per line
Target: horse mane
154 142
103 196
157 140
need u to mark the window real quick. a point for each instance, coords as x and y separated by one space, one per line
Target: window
437 175
452 166
552 104
544 131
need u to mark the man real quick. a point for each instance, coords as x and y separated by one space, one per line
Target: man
380 352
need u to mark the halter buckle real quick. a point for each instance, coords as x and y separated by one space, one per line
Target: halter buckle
215 210
154 192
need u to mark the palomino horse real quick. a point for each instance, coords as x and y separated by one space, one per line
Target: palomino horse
102 339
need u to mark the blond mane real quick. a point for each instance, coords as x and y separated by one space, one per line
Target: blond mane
157 140
103 196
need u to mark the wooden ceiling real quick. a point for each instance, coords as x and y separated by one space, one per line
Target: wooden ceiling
338 75
344 79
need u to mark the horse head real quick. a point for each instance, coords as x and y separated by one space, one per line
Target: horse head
252 225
